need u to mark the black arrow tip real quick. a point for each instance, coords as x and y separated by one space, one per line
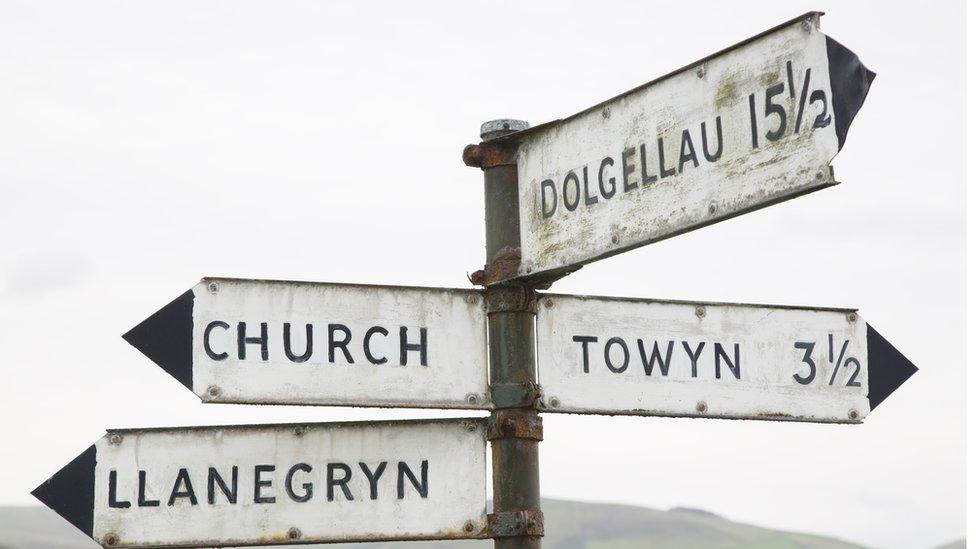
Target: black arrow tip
887 368
166 338
71 491
850 81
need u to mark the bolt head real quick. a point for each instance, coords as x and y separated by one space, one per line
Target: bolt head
701 71
712 208
115 439
213 287
807 25
700 312
615 239
213 391
472 398
548 302
469 526
294 533
111 540
554 402
853 414
701 407
852 317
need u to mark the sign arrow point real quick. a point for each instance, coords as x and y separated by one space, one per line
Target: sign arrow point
887 368
71 491
166 338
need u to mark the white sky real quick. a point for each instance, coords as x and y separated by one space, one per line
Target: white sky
145 145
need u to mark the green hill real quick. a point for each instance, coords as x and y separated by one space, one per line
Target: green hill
569 525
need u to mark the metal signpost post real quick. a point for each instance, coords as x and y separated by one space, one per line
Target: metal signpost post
750 126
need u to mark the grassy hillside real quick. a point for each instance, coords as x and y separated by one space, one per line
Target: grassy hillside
569 525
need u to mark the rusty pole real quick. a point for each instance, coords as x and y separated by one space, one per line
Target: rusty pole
515 427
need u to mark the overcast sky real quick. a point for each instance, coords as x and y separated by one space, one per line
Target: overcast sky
145 145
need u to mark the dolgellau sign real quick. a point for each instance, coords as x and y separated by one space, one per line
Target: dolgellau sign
750 126
265 484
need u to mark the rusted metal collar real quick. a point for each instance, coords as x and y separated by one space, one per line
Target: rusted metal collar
514 395
489 154
517 423
503 265
526 522
511 299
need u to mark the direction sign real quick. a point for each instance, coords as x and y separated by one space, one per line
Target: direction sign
255 485
750 126
670 358
273 342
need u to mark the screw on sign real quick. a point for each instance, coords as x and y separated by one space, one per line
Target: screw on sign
745 128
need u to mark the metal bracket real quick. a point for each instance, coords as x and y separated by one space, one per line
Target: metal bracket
503 265
516 423
489 154
514 395
526 522
511 299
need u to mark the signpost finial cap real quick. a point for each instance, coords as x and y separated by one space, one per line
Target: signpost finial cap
502 126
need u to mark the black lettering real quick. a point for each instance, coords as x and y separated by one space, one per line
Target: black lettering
665 172
627 168
606 355
182 480
369 355
308 344
693 356
340 482
588 200
686 156
404 470
712 157
214 479
585 340
243 340
206 339
261 483
373 477
664 364
340 344
113 484
404 346
306 486
645 178
571 205
720 355
551 185
606 163
143 502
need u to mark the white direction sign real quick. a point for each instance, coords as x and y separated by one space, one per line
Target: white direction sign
256 485
667 358
273 342
748 127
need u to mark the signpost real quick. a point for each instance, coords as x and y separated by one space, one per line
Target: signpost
268 484
668 358
274 342
747 127
752 125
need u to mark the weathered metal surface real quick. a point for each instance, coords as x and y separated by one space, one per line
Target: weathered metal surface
516 523
748 127
511 337
515 423
665 358
489 154
275 484
272 342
